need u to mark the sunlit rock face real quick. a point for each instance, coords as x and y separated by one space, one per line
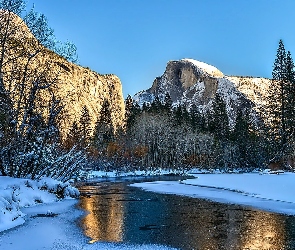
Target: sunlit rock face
192 82
75 86
254 88
78 87
185 77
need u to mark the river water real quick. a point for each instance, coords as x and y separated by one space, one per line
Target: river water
120 213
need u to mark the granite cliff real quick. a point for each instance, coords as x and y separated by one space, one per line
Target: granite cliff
27 61
189 81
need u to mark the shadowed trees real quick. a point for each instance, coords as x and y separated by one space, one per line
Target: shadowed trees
29 110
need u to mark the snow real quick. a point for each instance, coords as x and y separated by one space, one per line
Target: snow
143 97
209 69
112 174
16 193
270 192
58 232
32 216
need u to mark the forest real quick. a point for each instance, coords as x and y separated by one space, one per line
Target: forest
167 136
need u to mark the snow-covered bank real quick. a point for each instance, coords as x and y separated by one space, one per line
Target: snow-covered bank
16 193
113 174
47 222
267 191
57 232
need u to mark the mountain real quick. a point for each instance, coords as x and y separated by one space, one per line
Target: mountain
78 86
190 81
27 61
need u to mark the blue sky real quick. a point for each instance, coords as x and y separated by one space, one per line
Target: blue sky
135 39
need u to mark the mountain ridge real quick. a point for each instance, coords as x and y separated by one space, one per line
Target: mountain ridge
189 81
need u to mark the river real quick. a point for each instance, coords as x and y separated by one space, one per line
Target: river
120 213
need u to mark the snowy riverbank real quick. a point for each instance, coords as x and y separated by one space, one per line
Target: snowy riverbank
58 232
17 193
136 173
270 192
32 216
53 224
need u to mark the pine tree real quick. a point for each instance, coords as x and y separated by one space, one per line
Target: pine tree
73 136
85 126
146 107
156 105
280 102
279 67
6 110
241 138
279 75
177 115
218 122
290 97
104 130
132 109
168 102
196 118
128 106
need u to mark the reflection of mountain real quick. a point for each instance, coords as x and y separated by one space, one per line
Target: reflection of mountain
264 231
105 220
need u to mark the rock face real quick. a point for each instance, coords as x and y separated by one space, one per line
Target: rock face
74 85
254 88
189 81
78 87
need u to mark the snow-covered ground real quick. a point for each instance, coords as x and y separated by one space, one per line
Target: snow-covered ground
17 193
32 216
270 192
57 232
112 174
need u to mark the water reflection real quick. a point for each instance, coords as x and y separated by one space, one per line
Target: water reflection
121 213
262 229
105 220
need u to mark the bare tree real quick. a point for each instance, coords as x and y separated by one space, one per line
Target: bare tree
29 108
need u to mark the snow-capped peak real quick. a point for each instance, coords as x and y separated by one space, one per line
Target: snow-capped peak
209 69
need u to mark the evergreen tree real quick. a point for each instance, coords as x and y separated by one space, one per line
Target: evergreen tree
6 110
73 136
279 75
181 116
177 115
280 102
168 102
85 126
104 130
185 114
218 122
290 97
132 109
146 107
241 137
279 67
241 128
197 119
128 106
156 105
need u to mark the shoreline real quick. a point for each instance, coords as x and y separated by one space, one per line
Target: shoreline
55 226
271 193
48 232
